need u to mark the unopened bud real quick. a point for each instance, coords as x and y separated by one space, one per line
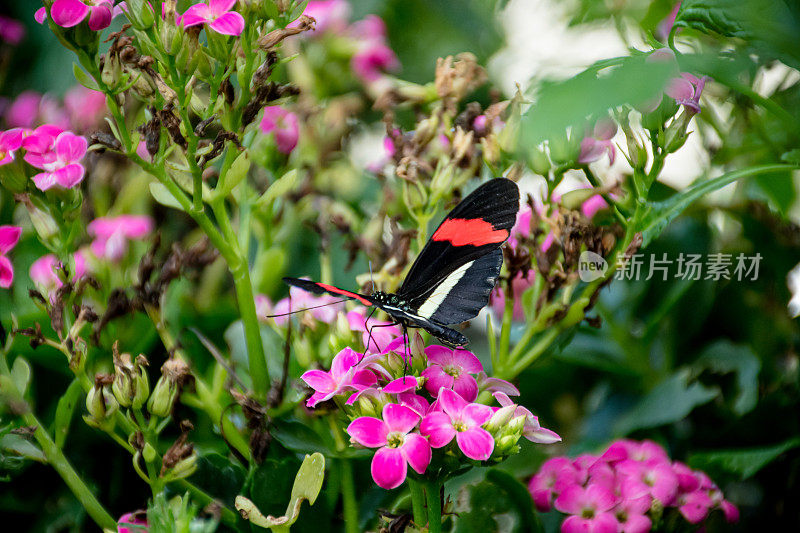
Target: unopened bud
162 398
184 468
100 402
414 195
539 161
564 149
111 69
131 386
148 452
499 419
506 445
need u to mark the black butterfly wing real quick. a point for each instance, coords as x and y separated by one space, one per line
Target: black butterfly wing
321 288
477 226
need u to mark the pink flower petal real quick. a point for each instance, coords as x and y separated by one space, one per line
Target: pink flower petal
476 443
438 427
44 181
476 414
195 15
730 510
451 402
389 468
441 355
399 385
417 451
100 17
70 147
6 272
637 523
218 7
400 418
571 499
680 89
436 378
9 237
319 380
467 361
70 175
41 15
68 13
368 431
230 23
466 387
343 362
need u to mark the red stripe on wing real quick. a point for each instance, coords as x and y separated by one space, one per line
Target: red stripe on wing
475 232
337 290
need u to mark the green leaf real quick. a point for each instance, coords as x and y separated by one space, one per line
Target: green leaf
660 214
669 401
21 375
743 463
234 176
65 410
83 78
219 477
279 188
603 86
723 357
162 195
16 445
298 437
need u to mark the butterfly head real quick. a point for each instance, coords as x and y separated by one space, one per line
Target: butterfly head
388 299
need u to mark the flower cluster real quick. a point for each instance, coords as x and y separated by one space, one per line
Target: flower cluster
57 153
9 236
625 489
408 407
82 110
69 13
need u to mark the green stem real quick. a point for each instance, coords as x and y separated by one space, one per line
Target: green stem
418 502
226 515
349 502
432 492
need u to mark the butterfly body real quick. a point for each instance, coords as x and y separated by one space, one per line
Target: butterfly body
454 274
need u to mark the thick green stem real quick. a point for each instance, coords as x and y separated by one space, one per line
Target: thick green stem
432 492
418 503
349 502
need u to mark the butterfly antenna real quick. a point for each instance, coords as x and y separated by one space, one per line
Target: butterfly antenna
371 278
290 312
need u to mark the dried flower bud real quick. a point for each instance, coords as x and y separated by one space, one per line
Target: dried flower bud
100 402
131 386
174 373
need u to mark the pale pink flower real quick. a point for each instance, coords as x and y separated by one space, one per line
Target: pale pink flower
664 27
594 146
451 368
462 420
217 14
60 161
342 377
137 520
325 307
485 383
396 386
398 446
111 234
28 107
532 430
330 15
646 450
9 237
283 124
85 107
10 142
370 28
372 60
590 508
69 13
263 305
555 475
11 31
687 90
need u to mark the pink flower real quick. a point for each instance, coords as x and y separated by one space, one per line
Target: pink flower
377 335
594 146
652 477
343 376
638 451
590 509
631 515
60 162
113 233
283 124
555 475
396 386
69 13
532 431
370 28
11 31
496 385
330 15
9 237
451 368
85 107
326 306
398 446
43 271
10 142
664 27
217 14
461 420
694 506
30 108
372 60
138 520
686 91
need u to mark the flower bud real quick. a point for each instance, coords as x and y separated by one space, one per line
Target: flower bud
111 70
174 373
499 419
100 402
539 161
184 468
564 149
148 452
506 445
414 195
131 386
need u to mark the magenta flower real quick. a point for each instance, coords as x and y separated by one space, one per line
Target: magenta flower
451 368
11 31
69 13
462 420
85 107
10 142
30 108
111 234
58 156
300 299
283 124
396 386
399 447
377 335
137 520
372 60
43 271
555 475
653 477
496 385
9 237
646 450
687 90
217 14
590 508
532 430
370 28
694 506
343 376
330 15
631 514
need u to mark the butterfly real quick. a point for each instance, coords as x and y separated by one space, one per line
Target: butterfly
456 271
